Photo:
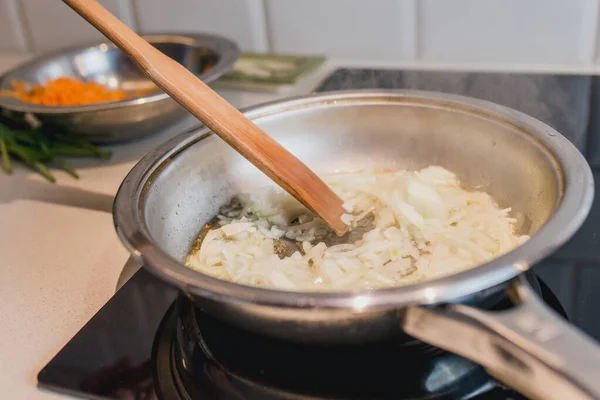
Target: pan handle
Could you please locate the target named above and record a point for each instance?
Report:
(528, 347)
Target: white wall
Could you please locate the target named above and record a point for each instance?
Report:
(526, 34)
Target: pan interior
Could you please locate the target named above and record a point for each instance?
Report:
(487, 152)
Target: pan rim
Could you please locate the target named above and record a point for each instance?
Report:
(576, 200)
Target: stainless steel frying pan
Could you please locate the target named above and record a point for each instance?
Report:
(173, 191)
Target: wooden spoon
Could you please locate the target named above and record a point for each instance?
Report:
(220, 116)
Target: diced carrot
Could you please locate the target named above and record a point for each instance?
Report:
(66, 92)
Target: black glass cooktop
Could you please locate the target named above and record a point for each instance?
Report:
(148, 343)
(141, 344)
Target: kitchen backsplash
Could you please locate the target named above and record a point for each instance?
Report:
(526, 34)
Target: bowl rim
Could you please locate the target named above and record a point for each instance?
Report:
(226, 49)
(576, 188)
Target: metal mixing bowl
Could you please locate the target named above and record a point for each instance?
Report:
(108, 65)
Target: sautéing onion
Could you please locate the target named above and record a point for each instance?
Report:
(424, 225)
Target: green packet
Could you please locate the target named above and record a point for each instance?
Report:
(269, 71)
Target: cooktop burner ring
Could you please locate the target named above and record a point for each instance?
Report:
(167, 382)
(173, 382)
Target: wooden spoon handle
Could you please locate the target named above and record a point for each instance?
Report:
(220, 116)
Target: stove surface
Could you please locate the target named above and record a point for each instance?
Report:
(127, 350)
(110, 357)
(136, 347)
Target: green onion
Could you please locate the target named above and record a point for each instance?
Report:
(44, 171)
(6, 165)
(38, 148)
(70, 170)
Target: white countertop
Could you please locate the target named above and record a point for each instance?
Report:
(60, 257)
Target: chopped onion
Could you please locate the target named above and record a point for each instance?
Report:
(425, 226)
